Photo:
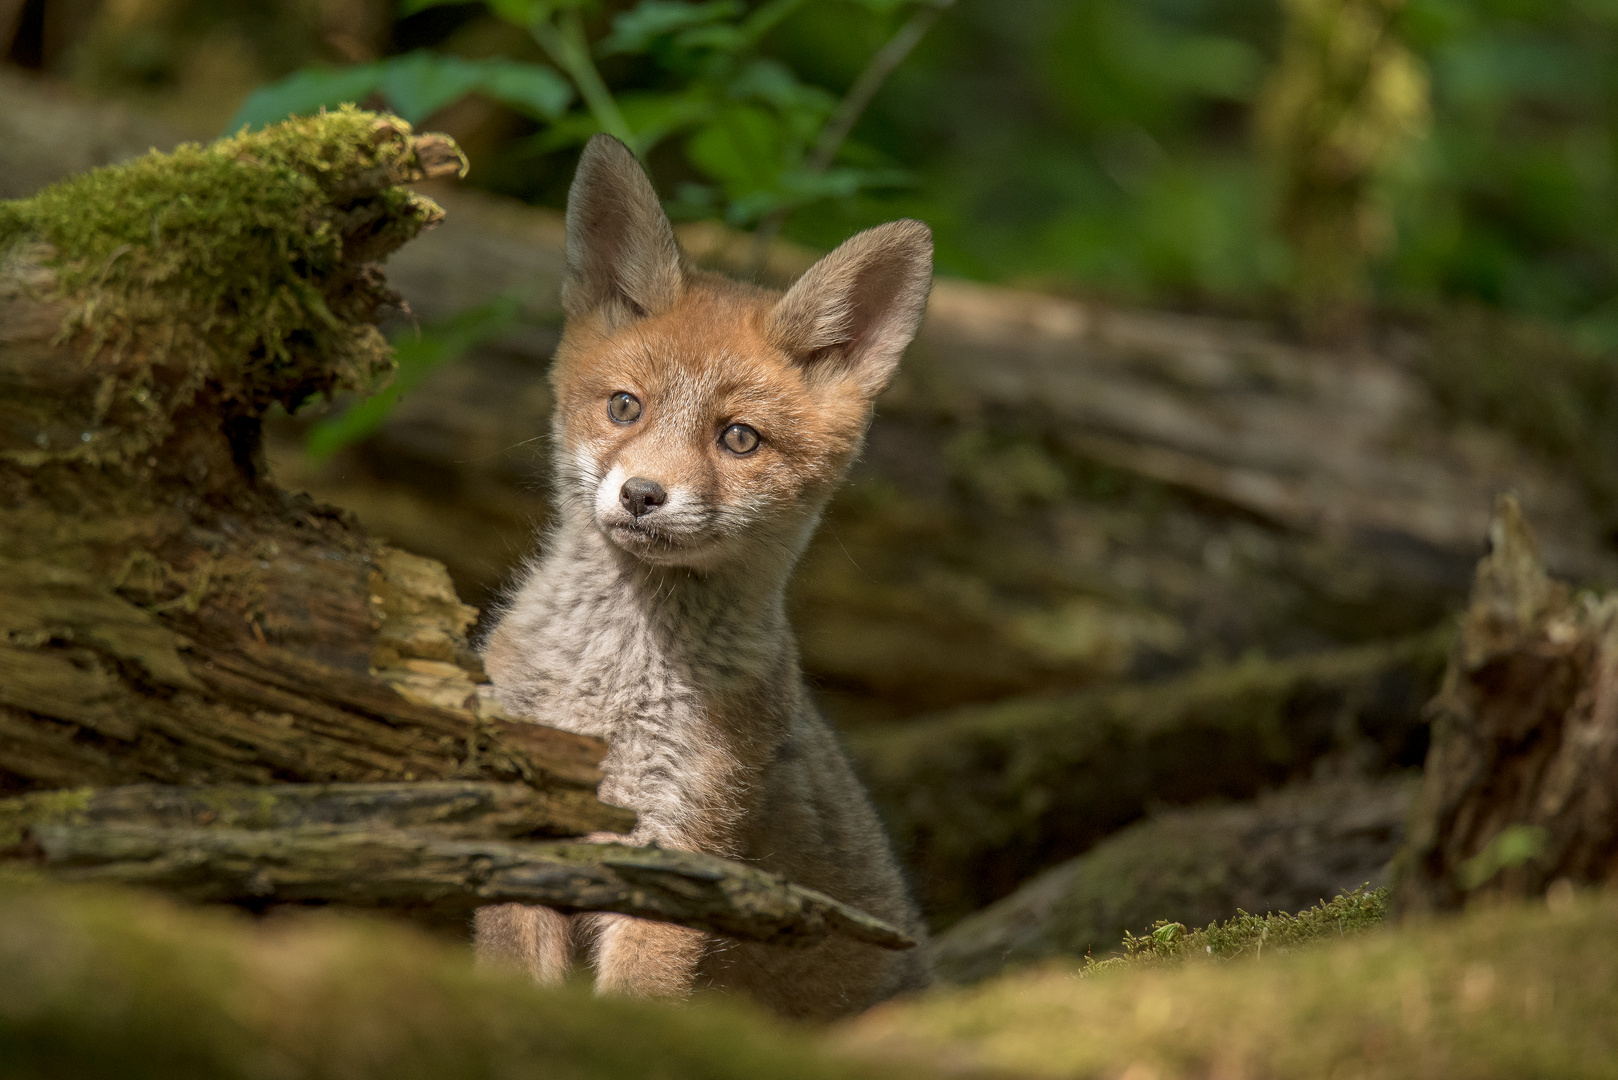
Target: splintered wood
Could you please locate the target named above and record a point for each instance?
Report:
(1520, 791)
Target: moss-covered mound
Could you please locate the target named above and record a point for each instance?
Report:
(108, 984)
(1504, 991)
(1283, 852)
(242, 266)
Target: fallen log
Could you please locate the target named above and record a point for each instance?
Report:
(429, 872)
(1520, 788)
(1285, 851)
(984, 797)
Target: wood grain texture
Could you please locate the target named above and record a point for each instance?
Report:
(1520, 790)
(367, 865)
(167, 615)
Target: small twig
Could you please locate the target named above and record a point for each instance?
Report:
(848, 112)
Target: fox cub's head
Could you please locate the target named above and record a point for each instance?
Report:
(701, 420)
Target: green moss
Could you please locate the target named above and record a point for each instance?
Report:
(1281, 852)
(65, 805)
(1249, 935)
(238, 266)
(1498, 992)
(117, 984)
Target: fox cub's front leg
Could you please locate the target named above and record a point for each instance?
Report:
(533, 939)
(639, 958)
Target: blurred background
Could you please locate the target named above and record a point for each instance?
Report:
(1247, 311)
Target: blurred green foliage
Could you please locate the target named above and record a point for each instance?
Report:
(747, 122)
(1108, 146)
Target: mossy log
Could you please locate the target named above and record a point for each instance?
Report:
(166, 613)
(984, 797)
(1520, 788)
(437, 876)
(1282, 852)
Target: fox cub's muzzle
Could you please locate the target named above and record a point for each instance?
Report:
(641, 496)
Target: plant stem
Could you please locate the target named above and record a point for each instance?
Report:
(848, 112)
(566, 46)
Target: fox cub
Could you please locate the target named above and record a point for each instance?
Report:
(701, 426)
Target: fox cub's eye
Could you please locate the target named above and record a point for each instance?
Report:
(740, 439)
(623, 408)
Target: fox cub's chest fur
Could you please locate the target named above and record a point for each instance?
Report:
(701, 426)
(692, 688)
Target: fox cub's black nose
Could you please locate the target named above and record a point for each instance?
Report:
(641, 496)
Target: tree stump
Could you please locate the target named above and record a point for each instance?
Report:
(1520, 790)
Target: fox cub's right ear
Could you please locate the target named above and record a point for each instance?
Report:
(622, 259)
(857, 309)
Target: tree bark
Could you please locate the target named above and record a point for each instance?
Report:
(445, 879)
(1520, 789)
(166, 613)
(460, 810)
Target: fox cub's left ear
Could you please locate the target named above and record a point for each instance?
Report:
(858, 308)
(622, 259)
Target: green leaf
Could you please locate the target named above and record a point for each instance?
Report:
(530, 88)
(714, 38)
(635, 30)
(1511, 847)
(418, 355)
(420, 83)
(415, 86)
(306, 92)
(802, 108)
(741, 148)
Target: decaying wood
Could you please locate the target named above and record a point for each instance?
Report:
(168, 615)
(1285, 851)
(427, 871)
(1520, 788)
(458, 809)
